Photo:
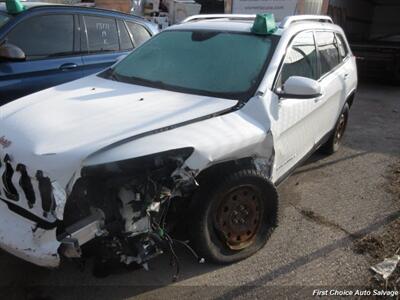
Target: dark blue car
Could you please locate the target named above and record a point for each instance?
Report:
(47, 45)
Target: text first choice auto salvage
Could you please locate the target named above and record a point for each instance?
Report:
(356, 292)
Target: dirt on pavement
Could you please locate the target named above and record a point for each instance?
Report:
(386, 244)
(394, 179)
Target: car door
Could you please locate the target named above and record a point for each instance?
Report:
(104, 40)
(49, 43)
(348, 71)
(294, 125)
(332, 83)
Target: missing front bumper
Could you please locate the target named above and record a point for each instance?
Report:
(80, 233)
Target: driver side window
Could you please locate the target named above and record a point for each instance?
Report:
(44, 36)
(301, 58)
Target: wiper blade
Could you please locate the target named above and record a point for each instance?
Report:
(109, 74)
(138, 80)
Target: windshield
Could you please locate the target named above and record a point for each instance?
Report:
(219, 64)
(3, 19)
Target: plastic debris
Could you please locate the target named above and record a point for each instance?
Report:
(386, 267)
(14, 7)
(264, 24)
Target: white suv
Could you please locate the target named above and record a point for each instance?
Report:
(193, 130)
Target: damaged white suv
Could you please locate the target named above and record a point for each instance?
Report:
(194, 130)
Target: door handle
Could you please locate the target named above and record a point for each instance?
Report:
(346, 76)
(68, 66)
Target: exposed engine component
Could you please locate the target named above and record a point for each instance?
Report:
(125, 215)
(136, 219)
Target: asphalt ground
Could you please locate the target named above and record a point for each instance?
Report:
(326, 207)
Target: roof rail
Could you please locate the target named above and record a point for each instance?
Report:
(40, 5)
(219, 16)
(299, 18)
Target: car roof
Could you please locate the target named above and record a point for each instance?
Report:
(28, 5)
(44, 5)
(237, 25)
(80, 8)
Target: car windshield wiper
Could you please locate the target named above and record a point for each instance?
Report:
(111, 75)
(137, 80)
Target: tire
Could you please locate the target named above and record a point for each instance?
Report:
(335, 140)
(233, 218)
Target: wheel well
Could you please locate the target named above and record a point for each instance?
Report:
(350, 99)
(226, 167)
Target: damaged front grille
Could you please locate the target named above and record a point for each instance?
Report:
(9, 188)
(21, 189)
(26, 184)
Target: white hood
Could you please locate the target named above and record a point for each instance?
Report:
(95, 110)
(78, 118)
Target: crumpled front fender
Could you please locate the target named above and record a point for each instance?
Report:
(230, 136)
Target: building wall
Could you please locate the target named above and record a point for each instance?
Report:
(281, 8)
(58, 1)
(312, 7)
(120, 5)
(354, 16)
(386, 20)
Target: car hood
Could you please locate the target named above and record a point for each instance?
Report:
(80, 117)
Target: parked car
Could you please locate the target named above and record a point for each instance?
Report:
(194, 130)
(47, 45)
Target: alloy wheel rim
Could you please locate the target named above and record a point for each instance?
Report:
(340, 129)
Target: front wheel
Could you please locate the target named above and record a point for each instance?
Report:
(233, 218)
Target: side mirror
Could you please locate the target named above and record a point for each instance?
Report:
(300, 88)
(10, 52)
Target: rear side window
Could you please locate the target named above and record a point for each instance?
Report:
(139, 33)
(301, 58)
(44, 36)
(125, 39)
(102, 34)
(328, 51)
(343, 51)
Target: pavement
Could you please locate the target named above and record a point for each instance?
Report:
(325, 207)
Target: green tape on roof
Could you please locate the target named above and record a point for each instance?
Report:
(264, 24)
(14, 7)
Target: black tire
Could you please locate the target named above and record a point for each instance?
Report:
(335, 140)
(251, 188)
